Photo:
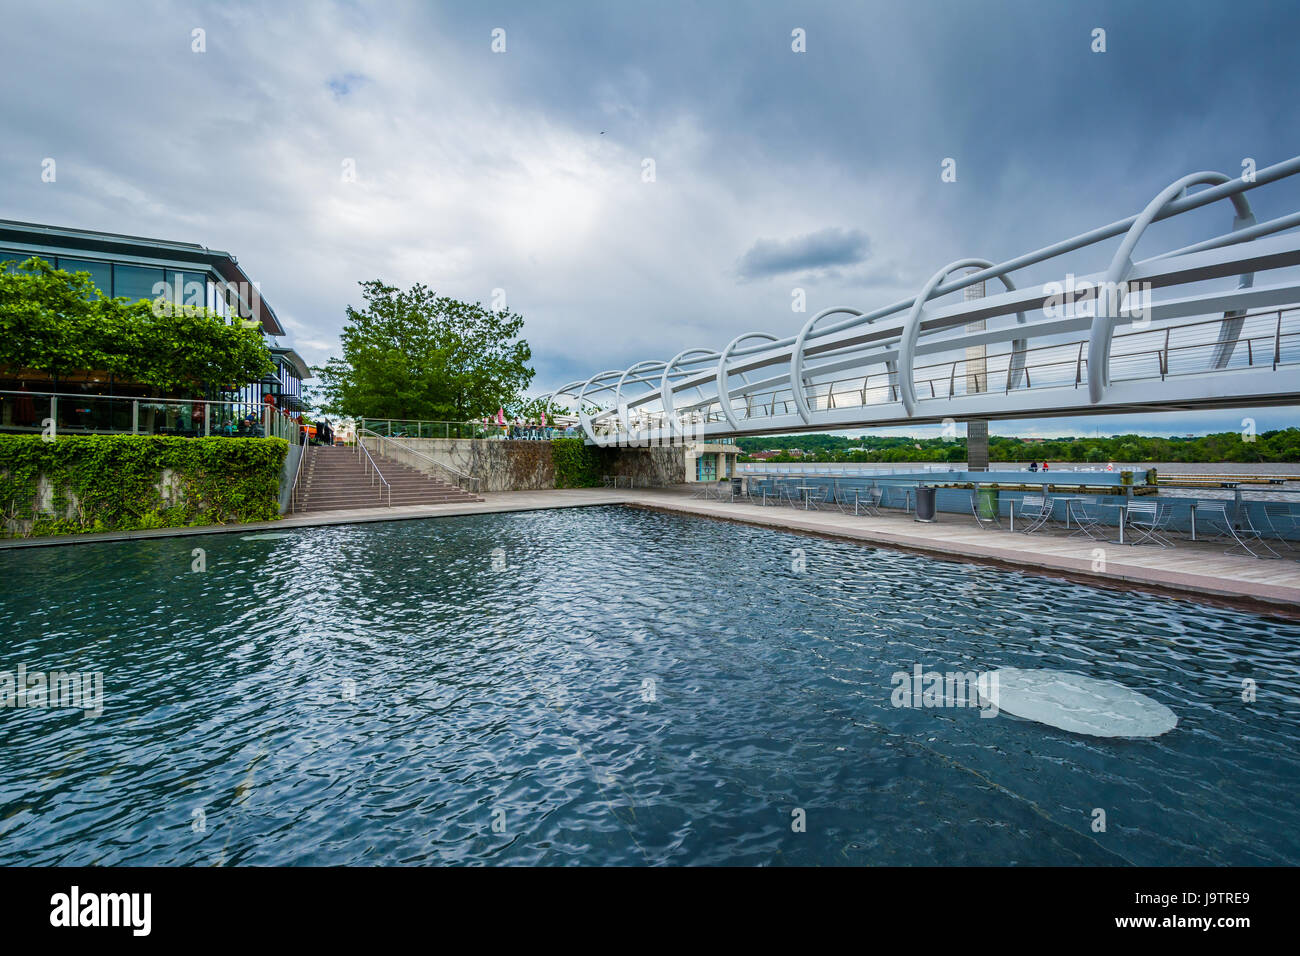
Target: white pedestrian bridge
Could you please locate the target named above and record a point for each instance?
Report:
(1215, 324)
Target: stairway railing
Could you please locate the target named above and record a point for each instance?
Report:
(293, 490)
(460, 479)
(375, 472)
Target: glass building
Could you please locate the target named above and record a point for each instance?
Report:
(138, 268)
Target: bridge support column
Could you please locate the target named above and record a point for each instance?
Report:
(977, 445)
(977, 380)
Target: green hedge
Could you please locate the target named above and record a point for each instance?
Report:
(114, 480)
(577, 464)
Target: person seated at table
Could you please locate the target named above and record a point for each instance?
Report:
(1033, 466)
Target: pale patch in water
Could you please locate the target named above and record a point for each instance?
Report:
(265, 536)
(1081, 705)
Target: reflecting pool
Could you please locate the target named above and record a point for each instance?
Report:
(616, 686)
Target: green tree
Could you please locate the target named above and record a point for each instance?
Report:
(58, 322)
(416, 355)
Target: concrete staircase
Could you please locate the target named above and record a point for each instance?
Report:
(333, 479)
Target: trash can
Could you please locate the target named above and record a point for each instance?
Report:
(924, 503)
(988, 503)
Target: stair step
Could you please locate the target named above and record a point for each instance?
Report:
(334, 479)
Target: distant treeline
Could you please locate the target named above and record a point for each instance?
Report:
(1279, 446)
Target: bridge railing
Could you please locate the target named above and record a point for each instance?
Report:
(923, 357)
(1268, 339)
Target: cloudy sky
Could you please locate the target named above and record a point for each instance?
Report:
(524, 170)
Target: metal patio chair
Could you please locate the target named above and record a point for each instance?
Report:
(1280, 523)
(823, 497)
(904, 491)
(1247, 538)
(844, 498)
(863, 501)
(1147, 521)
(1086, 515)
(1036, 510)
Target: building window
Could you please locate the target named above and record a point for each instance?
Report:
(101, 273)
(10, 260)
(706, 468)
(136, 282)
(187, 288)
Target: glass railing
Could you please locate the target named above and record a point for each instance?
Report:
(412, 428)
(61, 414)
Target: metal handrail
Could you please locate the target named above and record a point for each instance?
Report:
(293, 490)
(362, 448)
(460, 476)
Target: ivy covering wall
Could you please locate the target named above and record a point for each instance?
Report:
(116, 482)
(577, 464)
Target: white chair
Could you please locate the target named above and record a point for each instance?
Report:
(1036, 509)
(1248, 540)
(1280, 523)
(1147, 521)
(1086, 515)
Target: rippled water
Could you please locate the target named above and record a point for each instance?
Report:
(380, 694)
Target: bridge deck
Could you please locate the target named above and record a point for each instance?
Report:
(1200, 570)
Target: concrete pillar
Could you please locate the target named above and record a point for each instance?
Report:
(977, 380)
(977, 444)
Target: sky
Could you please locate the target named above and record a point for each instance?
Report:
(324, 144)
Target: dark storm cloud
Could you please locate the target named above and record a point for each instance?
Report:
(819, 250)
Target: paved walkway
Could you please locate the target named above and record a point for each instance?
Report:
(1198, 569)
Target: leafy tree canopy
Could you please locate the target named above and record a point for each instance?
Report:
(58, 322)
(1282, 445)
(412, 354)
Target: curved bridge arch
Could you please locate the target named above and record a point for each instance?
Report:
(724, 390)
(624, 412)
(1108, 302)
(796, 358)
(912, 329)
(666, 391)
(583, 417)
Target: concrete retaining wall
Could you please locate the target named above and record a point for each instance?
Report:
(528, 466)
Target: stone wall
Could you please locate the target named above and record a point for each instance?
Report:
(527, 465)
(652, 466)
